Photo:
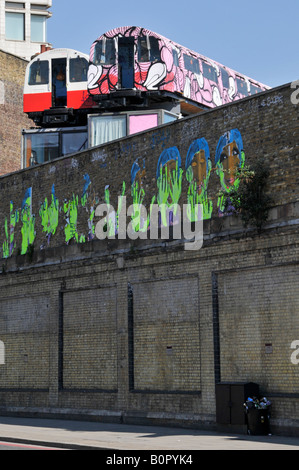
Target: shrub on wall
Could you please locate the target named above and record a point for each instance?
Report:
(250, 198)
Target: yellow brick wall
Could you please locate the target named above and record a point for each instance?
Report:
(12, 118)
(131, 328)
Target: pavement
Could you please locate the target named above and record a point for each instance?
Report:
(123, 437)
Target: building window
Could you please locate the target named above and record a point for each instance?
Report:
(15, 26)
(39, 7)
(15, 5)
(38, 28)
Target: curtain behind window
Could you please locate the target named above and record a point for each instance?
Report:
(106, 128)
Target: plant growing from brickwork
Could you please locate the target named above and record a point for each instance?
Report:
(250, 198)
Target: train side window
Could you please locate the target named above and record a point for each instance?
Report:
(225, 78)
(254, 89)
(148, 49)
(242, 87)
(175, 56)
(209, 72)
(78, 69)
(191, 64)
(39, 73)
(104, 52)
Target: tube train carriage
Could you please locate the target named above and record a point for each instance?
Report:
(131, 65)
(55, 89)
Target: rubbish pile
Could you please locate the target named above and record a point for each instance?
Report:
(260, 404)
(258, 415)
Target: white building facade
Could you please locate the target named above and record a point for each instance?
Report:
(23, 26)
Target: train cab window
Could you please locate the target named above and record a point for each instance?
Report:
(104, 52)
(209, 72)
(78, 69)
(154, 49)
(142, 49)
(148, 49)
(39, 73)
(191, 64)
(242, 87)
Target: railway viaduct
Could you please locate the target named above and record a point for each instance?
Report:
(145, 330)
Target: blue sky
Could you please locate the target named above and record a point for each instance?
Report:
(258, 38)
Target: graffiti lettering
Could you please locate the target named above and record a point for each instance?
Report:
(295, 94)
(295, 354)
(2, 353)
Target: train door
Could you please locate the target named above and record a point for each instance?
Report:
(126, 62)
(59, 90)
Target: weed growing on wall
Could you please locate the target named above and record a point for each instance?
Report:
(250, 198)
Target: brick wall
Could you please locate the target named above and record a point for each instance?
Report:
(142, 330)
(12, 118)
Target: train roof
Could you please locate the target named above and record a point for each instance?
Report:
(59, 52)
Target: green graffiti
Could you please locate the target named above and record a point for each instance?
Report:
(198, 195)
(49, 215)
(169, 189)
(70, 209)
(223, 202)
(84, 199)
(84, 196)
(138, 194)
(119, 205)
(175, 186)
(140, 220)
(91, 226)
(110, 218)
(28, 222)
(8, 244)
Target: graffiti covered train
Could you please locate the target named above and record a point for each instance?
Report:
(149, 65)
